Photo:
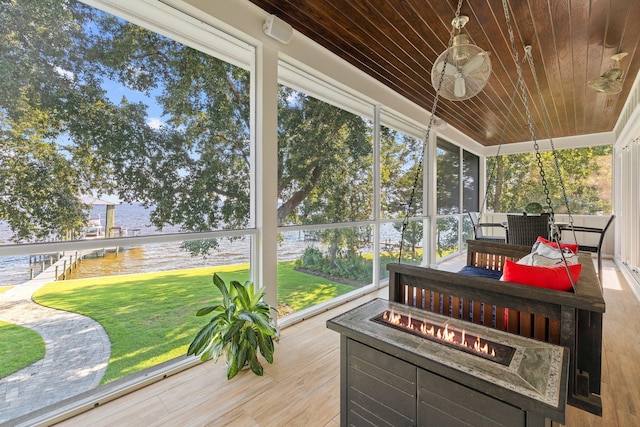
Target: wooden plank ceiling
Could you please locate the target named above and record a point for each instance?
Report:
(397, 41)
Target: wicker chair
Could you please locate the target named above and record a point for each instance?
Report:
(478, 231)
(525, 229)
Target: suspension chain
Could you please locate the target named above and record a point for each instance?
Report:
(525, 99)
(408, 210)
(556, 236)
(547, 124)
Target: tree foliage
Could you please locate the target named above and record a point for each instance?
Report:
(64, 133)
(38, 183)
(324, 166)
(400, 182)
(585, 172)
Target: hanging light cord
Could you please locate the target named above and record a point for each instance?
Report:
(495, 165)
(409, 207)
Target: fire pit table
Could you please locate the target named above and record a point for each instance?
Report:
(405, 366)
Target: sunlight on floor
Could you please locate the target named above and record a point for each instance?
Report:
(611, 280)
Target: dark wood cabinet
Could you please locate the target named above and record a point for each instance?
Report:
(383, 390)
(391, 378)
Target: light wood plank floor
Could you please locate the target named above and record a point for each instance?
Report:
(301, 388)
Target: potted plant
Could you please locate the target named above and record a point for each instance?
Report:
(534, 208)
(240, 327)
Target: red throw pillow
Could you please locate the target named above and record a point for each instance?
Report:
(542, 276)
(573, 247)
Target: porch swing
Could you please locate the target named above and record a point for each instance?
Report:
(571, 317)
(524, 230)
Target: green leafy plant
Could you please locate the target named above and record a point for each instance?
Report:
(240, 327)
(533, 208)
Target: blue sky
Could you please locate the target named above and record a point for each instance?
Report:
(116, 91)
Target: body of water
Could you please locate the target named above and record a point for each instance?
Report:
(134, 219)
(154, 257)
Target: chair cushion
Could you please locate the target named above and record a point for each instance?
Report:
(542, 276)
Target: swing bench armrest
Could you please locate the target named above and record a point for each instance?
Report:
(480, 235)
(479, 226)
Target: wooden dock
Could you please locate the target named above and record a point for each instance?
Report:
(58, 266)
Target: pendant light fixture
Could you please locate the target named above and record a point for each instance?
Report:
(464, 68)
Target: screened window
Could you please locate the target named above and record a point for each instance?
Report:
(448, 177)
(325, 156)
(458, 181)
(401, 171)
(117, 144)
(325, 177)
(586, 176)
(99, 111)
(470, 182)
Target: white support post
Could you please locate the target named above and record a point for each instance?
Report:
(431, 195)
(265, 182)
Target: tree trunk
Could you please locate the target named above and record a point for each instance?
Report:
(299, 196)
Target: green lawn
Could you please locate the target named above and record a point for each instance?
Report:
(150, 318)
(19, 347)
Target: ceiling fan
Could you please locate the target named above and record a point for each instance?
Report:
(464, 68)
(611, 81)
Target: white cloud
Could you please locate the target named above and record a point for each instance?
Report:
(155, 123)
(64, 73)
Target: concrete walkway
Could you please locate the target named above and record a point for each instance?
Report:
(77, 352)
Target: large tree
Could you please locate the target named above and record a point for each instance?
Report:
(325, 158)
(64, 134)
(586, 175)
(324, 169)
(401, 174)
(39, 184)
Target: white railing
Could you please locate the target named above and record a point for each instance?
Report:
(597, 221)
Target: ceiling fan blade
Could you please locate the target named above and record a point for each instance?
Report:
(604, 85)
(459, 87)
(598, 84)
(450, 69)
(473, 63)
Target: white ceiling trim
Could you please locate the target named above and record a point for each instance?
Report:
(577, 141)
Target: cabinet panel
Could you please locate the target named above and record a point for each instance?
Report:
(382, 388)
(443, 402)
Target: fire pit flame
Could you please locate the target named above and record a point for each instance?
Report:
(444, 334)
